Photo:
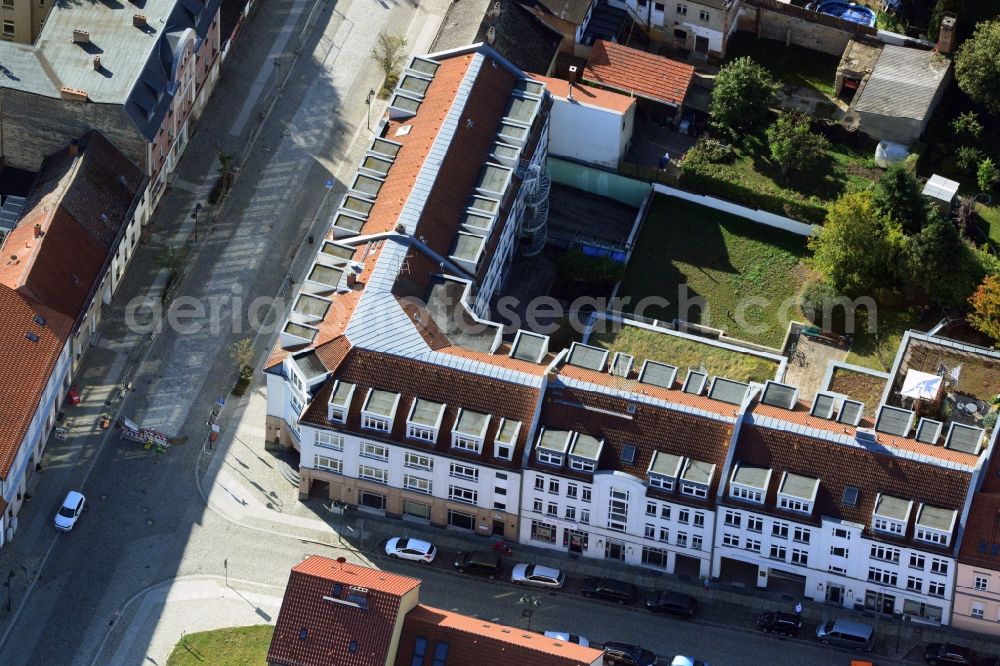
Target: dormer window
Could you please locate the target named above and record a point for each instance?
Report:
(379, 410)
(891, 515)
(424, 420)
(584, 453)
(749, 484)
(797, 493)
(340, 402)
(552, 446)
(696, 478)
(506, 439)
(935, 525)
(469, 431)
(663, 470)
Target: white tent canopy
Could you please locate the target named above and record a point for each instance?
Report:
(921, 385)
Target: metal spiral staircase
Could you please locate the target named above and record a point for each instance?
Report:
(534, 228)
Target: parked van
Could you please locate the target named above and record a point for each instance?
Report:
(847, 633)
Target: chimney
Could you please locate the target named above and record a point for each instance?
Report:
(38, 231)
(946, 36)
(97, 63)
(139, 20)
(572, 79)
(81, 36)
(72, 94)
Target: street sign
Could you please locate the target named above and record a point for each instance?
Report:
(329, 183)
(222, 402)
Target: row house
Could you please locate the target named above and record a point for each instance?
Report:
(75, 233)
(977, 582)
(697, 26)
(625, 464)
(861, 517)
(140, 75)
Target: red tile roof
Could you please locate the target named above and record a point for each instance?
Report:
(474, 642)
(25, 366)
(587, 95)
(414, 379)
(636, 72)
(840, 465)
(982, 530)
(313, 631)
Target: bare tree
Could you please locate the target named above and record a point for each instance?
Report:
(390, 52)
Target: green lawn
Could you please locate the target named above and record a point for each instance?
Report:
(991, 215)
(753, 180)
(878, 350)
(722, 259)
(232, 646)
(790, 65)
(683, 353)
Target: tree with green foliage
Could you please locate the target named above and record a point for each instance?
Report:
(898, 196)
(977, 65)
(794, 146)
(389, 52)
(742, 96)
(858, 249)
(940, 266)
(985, 302)
(987, 175)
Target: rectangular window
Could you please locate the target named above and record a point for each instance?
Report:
(755, 524)
(682, 9)
(982, 583)
(839, 551)
(586, 494)
(417, 484)
(888, 526)
(422, 433)
(882, 576)
(917, 561)
(552, 509)
(661, 482)
(460, 471)
(779, 530)
(651, 509)
(841, 533)
(753, 545)
(703, 15)
(374, 451)
(793, 504)
(650, 531)
(543, 532)
(837, 570)
(746, 494)
(618, 510)
(696, 542)
(465, 443)
(664, 535)
(914, 584)
(729, 539)
(329, 464)
(800, 557)
(460, 494)
(654, 557)
(682, 539)
(935, 589)
(682, 516)
(571, 490)
(659, 6)
(932, 536)
(503, 452)
(699, 519)
(370, 422)
(547, 458)
(499, 491)
(417, 461)
(537, 506)
(733, 519)
(801, 535)
(571, 513)
(939, 566)
(884, 553)
(585, 516)
(553, 486)
(977, 611)
(373, 474)
(328, 440)
(8, 3)
(665, 511)
(778, 552)
(582, 465)
(539, 483)
(694, 490)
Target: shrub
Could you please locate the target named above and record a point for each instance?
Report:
(967, 158)
(793, 145)
(967, 126)
(987, 175)
(575, 265)
(818, 302)
(711, 150)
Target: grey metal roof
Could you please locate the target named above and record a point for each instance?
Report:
(903, 83)
(727, 390)
(554, 440)
(753, 477)
(892, 507)
(382, 403)
(665, 464)
(658, 374)
(426, 412)
(964, 438)
(587, 447)
(310, 365)
(472, 423)
(802, 487)
(936, 518)
(697, 471)
(894, 420)
(585, 356)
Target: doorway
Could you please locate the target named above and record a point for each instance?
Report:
(614, 550)
(701, 44)
(835, 594)
(575, 540)
(373, 500)
(498, 528)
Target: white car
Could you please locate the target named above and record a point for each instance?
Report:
(70, 511)
(567, 637)
(533, 574)
(411, 549)
(681, 660)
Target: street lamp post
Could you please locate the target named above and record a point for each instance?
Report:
(10, 589)
(194, 216)
(528, 604)
(371, 93)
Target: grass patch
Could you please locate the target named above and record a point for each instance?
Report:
(790, 65)
(723, 259)
(877, 348)
(232, 646)
(665, 348)
(753, 180)
(858, 386)
(991, 216)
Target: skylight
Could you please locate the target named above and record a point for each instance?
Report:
(779, 395)
(584, 356)
(658, 374)
(851, 412)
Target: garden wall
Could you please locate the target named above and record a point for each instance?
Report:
(772, 19)
(752, 214)
(598, 181)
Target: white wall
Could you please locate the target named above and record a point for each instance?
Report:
(752, 214)
(589, 134)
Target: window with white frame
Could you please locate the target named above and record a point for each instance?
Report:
(506, 438)
(503, 451)
(981, 583)
(662, 482)
(460, 494)
(373, 474)
(371, 422)
(572, 490)
(549, 458)
(891, 514)
(703, 16)
(536, 506)
(917, 561)
(837, 570)
(692, 489)
(882, 576)
(329, 440)
(340, 402)
(889, 526)
(417, 461)
(424, 420)
(664, 535)
(586, 494)
(665, 511)
(585, 516)
(732, 519)
(552, 509)
(698, 519)
(422, 433)
(778, 552)
(935, 589)
(683, 516)
(543, 531)
(582, 465)
(884, 553)
(932, 536)
(696, 542)
(914, 584)
(328, 463)
(460, 471)
(618, 510)
(939, 566)
(378, 410)
(682, 539)
(553, 486)
(469, 431)
(839, 551)
(800, 534)
(779, 530)
(755, 524)
(682, 9)
(374, 451)
(465, 443)
(800, 557)
(730, 539)
(570, 513)
(417, 484)
(977, 610)
(746, 494)
(794, 504)
(651, 509)
(649, 531)
(539, 483)
(841, 533)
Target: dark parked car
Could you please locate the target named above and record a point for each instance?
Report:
(609, 588)
(949, 653)
(675, 603)
(480, 562)
(788, 624)
(627, 655)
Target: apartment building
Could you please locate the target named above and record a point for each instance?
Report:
(625, 465)
(977, 583)
(699, 26)
(76, 232)
(335, 612)
(139, 74)
(23, 19)
(453, 186)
